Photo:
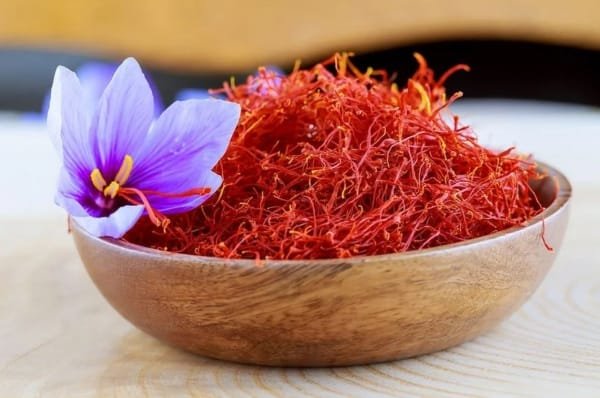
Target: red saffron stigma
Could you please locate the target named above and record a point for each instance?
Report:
(158, 219)
(331, 162)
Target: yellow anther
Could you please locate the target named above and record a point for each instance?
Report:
(443, 147)
(297, 65)
(341, 62)
(125, 170)
(112, 189)
(98, 180)
(425, 103)
(420, 59)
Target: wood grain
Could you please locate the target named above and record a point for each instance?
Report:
(59, 337)
(329, 312)
(230, 35)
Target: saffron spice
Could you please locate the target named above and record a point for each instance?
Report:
(332, 162)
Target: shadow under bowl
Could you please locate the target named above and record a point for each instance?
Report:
(330, 312)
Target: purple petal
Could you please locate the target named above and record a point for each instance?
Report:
(176, 205)
(274, 80)
(94, 77)
(113, 226)
(159, 106)
(34, 117)
(68, 123)
(183, 146)
(122, 118)
(275, 69)
(192, 93)
(71, 193)
(188, 138)
(77, 196)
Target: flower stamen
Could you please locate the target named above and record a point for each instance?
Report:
(155, 216)
(98, 180)
(136, 196)
(124, 171)
(425, 102)
(112, 189)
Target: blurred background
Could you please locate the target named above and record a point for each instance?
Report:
(541, 49)
(535, 79)
(534, 83)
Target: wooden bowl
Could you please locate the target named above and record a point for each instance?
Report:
(330, 312)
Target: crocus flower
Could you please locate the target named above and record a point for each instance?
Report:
(119, 162)
(94, 77)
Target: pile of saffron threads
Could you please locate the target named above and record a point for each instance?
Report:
(332, 162)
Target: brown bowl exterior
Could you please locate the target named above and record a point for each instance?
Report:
(327, 312)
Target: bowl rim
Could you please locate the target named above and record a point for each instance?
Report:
(562, 198)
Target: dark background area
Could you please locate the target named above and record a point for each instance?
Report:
(500, 69)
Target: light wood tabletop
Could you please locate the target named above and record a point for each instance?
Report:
(60, 338)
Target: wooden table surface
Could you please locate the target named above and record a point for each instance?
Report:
(59, 338)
